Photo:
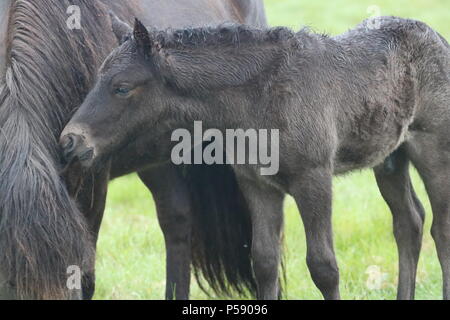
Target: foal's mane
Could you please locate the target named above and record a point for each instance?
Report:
(48, 72)
(198, 60)
(224, 35)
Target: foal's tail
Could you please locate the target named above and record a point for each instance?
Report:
(222, 231)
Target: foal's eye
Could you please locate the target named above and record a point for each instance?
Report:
(122, 91)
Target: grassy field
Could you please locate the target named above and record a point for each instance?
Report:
(131, 260)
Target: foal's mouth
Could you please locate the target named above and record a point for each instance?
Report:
(87, 156)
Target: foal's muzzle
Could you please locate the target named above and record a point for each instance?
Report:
(74, 149)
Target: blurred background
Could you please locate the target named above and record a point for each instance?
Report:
(131, 257)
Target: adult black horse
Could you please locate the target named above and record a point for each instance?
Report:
(46, 71)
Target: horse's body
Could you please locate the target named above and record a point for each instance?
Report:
(340, 104)
(46, 70)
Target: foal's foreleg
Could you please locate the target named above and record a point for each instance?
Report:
(266, 207)
(312, 192)
(91, 199)
(174, 214)
(408, 215)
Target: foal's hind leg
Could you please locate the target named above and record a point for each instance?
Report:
(266, 207)
(395, 186)
(174, 215)
(430, 154)
(312, 192)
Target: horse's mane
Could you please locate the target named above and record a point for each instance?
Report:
(224, 35)
(48, 72)
(50, 66)
(198, 60)
(227, 34)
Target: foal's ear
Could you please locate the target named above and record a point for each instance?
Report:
(142, 38)
(121, 30)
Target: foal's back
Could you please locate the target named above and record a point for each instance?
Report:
(396, 74)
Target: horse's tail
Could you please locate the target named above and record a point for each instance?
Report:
(42, 232)
(222, 231)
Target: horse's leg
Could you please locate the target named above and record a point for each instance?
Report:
(266, 207)
(313, 193)
(92, 198)
(430, 154)
(408, 214)
(174, 214)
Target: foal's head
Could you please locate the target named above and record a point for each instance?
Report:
(124, 99)
(158, 75)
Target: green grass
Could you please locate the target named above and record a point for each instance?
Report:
(131, 259)
(337, 16)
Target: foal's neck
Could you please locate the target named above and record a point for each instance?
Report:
(217, 59)
(219, 83)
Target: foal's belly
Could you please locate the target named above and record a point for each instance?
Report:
(369, 147)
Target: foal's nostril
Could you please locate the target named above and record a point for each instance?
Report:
(69, 142)
(74, 148)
